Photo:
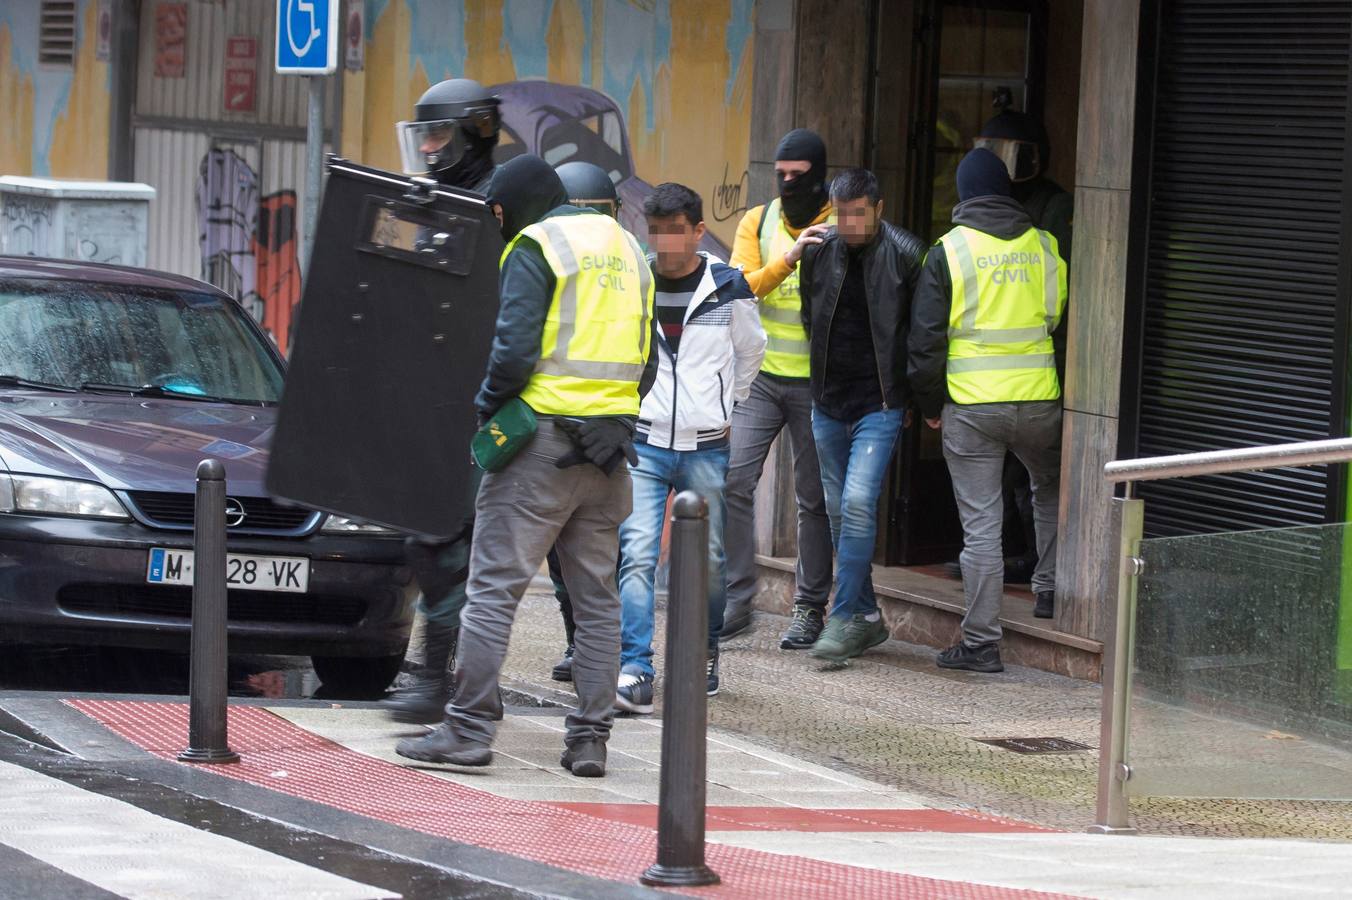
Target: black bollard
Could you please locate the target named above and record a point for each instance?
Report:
(207, 681)
(680, 814)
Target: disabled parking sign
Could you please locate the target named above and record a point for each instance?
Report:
(307, 37)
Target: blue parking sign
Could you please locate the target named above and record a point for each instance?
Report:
(307, 36)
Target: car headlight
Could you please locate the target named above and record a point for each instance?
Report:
(344, 525)
(58, 497)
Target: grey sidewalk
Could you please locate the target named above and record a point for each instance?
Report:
(893, 718)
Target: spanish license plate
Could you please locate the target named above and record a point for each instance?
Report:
(246, 573)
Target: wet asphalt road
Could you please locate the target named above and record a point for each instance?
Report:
(75, 669)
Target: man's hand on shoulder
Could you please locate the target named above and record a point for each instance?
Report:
(813, 234)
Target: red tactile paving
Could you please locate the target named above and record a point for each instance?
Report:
(288, 759)
(788, 818)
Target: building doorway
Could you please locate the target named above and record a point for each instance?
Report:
(971, 59)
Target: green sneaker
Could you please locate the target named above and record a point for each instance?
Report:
(844, 639)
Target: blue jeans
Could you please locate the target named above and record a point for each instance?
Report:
(658, 473)
(854, 457)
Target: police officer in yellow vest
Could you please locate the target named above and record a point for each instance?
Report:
(770, 242)
(983, 369)
(573, 342)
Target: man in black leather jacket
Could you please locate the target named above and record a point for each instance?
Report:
(856, 288)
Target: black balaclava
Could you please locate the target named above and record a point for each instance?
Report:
(527, 188)
(982, 174)
(804, 197)
(474, 166)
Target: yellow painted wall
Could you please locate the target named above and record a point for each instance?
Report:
(16, 104)
(700, 133)
(52, 121)
(80, 137)
(393, 82)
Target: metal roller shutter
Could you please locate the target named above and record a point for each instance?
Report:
(1244, 237)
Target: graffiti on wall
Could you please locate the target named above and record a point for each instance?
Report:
(249, 242)
(27, 225)
(99, 231)
(650, 90)
(564, 123)
(729, 196)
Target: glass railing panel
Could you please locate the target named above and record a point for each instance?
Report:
(1242, 676)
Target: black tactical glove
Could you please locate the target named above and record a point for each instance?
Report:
(601, 441)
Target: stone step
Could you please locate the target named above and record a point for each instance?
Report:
(924, 607)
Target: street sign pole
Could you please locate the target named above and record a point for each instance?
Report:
(307, 44)
(314, 168)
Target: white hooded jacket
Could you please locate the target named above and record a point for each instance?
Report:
(690, 404)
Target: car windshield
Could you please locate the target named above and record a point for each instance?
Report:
(73, 333)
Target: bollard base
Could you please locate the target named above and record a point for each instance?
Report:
(198, 755)
(659, 875)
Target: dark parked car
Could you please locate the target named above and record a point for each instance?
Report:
(114, 384)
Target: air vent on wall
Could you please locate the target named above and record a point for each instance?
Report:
(56, 33)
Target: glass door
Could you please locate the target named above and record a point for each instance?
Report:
(984, 64)
(983, 55)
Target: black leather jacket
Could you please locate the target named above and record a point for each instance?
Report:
(891, 267)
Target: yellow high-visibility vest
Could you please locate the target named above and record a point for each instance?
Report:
(781, 310)
(597, 334)
(1008, 297)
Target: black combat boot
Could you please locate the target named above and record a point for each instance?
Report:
(586, 759)
(422, 702)
(441, 745)
(563, 669)
(985, 658)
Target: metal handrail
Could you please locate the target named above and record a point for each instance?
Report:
(1242, 459)
(1129, 516)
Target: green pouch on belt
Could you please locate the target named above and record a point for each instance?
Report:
(504, 436)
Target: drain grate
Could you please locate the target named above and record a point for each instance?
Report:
(1035, 745)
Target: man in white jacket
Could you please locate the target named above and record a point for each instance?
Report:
(710, 345)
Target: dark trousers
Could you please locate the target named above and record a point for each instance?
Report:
(561, 593)
(1020, 534)
(441, 569)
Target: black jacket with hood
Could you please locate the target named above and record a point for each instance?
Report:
(892, 262)
(526, 284)
(1000, 217)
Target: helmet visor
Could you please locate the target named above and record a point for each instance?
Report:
(602, 205)
(426, 147)
(1021, 158)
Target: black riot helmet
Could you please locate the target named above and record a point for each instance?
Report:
(588, 185)
(453, 132)
(1021, 142)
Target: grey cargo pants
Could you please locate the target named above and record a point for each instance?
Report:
(976, 439)
(520, 513)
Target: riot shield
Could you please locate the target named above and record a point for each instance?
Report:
(391, 343)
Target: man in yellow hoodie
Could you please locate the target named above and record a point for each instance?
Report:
(770, 241)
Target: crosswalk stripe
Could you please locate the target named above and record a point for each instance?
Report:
(23, 876)
(135, 854)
